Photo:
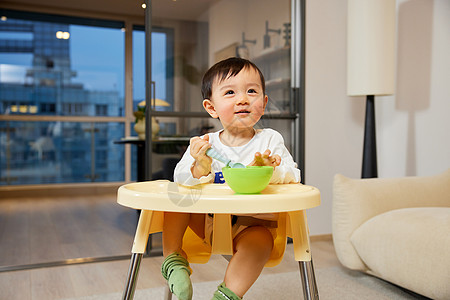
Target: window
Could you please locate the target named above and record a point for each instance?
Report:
(101, 110)
(75, 72)
(56, 66)
(48, 108)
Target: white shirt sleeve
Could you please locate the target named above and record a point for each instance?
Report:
(287, 171)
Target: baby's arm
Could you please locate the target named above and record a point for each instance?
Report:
(202, 164)
(192, 171)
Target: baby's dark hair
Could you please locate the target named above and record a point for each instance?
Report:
(225, 69)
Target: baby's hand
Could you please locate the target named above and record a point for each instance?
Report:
(198, 147)
(265, 159)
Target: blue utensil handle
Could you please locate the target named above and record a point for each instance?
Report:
(211, 152)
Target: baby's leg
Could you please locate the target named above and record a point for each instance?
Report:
(175, 225)
(175, 268)
(253, 247)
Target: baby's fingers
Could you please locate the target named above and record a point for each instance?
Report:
(277, 160)
(258, 157)
(203, 148)
(266, 154)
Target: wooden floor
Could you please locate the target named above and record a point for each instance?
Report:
(54, 229)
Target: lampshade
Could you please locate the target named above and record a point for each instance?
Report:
(371, 47)
(155, 102)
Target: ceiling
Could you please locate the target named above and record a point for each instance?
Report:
(167, 9)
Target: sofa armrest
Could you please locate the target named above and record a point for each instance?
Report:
(357, 200)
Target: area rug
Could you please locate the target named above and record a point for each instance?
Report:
(333, 283)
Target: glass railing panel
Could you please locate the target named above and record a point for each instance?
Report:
(60, 152)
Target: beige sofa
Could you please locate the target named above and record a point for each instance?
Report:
(397, 229)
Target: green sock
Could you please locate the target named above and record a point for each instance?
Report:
(175, 269)
(224, 293)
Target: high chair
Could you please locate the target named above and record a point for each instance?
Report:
(156, 197)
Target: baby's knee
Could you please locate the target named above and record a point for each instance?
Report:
(264, 236)
(257, 237)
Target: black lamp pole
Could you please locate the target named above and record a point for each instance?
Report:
(369, 163)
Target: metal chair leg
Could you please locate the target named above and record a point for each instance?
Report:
(139, 245)
(133, 272)
(310, 291)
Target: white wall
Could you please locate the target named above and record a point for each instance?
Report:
(229, 18)
(413, 126)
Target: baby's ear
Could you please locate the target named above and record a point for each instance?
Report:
(209, 107)
(266, 99)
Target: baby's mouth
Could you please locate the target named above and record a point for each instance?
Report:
(242, 112)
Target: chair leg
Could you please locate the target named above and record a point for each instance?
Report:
(167, 293)
(310, 291)
(139, 246)
(133, 272)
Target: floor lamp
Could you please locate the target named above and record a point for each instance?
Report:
(370, 64)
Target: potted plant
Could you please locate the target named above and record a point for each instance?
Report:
(139, 122)
(139, 115)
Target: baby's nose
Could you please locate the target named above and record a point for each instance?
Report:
(243, 99)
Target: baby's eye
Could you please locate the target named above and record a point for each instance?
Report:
(230, 92)
(252, 91)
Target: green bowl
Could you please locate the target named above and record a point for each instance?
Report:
(251, 180)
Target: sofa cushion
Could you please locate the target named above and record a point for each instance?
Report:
(408, 247)
(357, 200)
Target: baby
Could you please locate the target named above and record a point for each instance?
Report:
(234, 92)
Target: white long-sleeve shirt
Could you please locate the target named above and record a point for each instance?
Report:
(286, 172)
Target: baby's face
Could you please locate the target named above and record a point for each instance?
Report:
(238, 101)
